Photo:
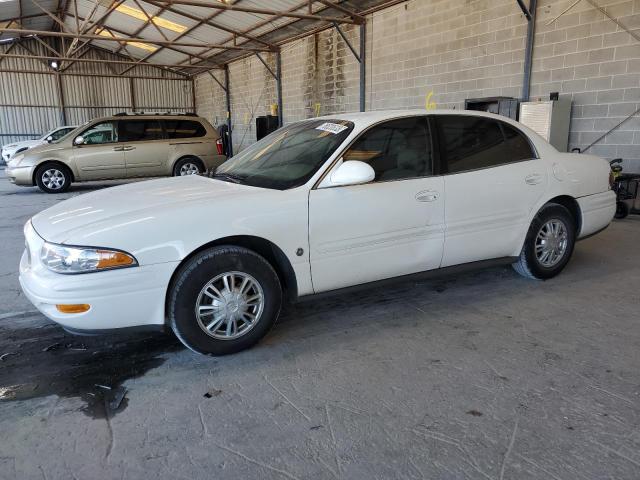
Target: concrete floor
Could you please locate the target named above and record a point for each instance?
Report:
(483, 375)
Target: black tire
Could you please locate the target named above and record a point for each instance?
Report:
(188, 164)
(189, 284)
(622, 210)
(53, 178)
(528, 264)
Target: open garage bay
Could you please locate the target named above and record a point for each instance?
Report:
(483, 375)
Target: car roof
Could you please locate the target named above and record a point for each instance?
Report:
(146, 116)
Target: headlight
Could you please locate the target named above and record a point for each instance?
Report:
(63, 259)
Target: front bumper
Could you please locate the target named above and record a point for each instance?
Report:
(20, 175)
(130, 297)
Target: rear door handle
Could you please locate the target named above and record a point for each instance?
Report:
(128, 148)
(533, 179)
(427, 196)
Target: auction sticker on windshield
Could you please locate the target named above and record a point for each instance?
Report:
(334, 128)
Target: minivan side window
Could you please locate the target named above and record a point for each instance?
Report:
(103, 132)
(184, 129)
(397, 150)
(140, 130)
(470, 143)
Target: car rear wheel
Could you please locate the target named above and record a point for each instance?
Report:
(549, 243)
(53, 178)
(187, 166)
(224, 300)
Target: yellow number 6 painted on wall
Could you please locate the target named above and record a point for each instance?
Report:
(429, 104)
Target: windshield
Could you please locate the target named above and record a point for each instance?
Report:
(288, 157)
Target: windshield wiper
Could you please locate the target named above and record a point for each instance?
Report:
(228, 177)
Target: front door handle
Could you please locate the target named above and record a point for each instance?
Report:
(118, 149)
(427, 196)
(533, 179)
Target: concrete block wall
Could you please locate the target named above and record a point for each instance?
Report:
(586, 55)
(440, 52)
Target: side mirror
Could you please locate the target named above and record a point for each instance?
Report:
(352, 172)
(79, 140)
(49, 139)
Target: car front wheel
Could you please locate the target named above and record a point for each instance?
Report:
(53, 178)
(224, 300)
(549, 243)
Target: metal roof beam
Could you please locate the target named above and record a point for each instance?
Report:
(358, 18)
(92, 60)
(210, 23)
(130, 39)
(260, 11)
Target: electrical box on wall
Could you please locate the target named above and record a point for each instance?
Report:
(506, 106)
(550, 119)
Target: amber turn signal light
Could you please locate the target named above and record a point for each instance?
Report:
(110, 259)
(77, 308)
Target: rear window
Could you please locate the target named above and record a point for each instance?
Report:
(184, 129)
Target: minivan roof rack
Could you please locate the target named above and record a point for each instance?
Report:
(137, 114)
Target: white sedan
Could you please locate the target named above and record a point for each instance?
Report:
(10, 150)
(318, 205)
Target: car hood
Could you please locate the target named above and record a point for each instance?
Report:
(45, 147)
(15, 146)
(126, 210)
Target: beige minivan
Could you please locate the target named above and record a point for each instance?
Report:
(122, 146)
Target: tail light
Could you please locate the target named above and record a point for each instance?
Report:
(220, 146)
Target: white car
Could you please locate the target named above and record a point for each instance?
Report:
(318, 205)
(9, 150)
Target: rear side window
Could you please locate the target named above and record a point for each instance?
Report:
(184, 129)
(518, 144)
(140, 130)
(470, 143)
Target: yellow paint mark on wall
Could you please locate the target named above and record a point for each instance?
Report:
(318, 106)
(429, 104)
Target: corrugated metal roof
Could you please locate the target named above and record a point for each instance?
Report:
(164, 22)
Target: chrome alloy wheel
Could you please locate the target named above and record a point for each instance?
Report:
(189, 169)
(53, 179)
(551, 243)
(229, 305)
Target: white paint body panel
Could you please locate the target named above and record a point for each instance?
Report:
(349, 235)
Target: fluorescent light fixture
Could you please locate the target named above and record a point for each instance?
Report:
(144, 46)
(160, 22)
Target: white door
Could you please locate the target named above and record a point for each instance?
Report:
(493, 182)
(391, 227)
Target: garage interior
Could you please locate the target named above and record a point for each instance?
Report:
(483, 375)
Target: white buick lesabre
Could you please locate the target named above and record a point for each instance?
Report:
(318, 205)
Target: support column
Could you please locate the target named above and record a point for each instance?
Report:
(132, 95)
(227, 92)
(363, 66)
(279, 87)
(61, 102)
(528, 54)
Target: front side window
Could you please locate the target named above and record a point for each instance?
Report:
(58, 134)
(288, 157)
(470, 143)
(398, 149)
(103, 132)
(140, 130)
(184, 129)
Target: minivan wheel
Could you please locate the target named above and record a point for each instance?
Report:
(53, 178)
(549, 243)
(187, 166)
(224, 300)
